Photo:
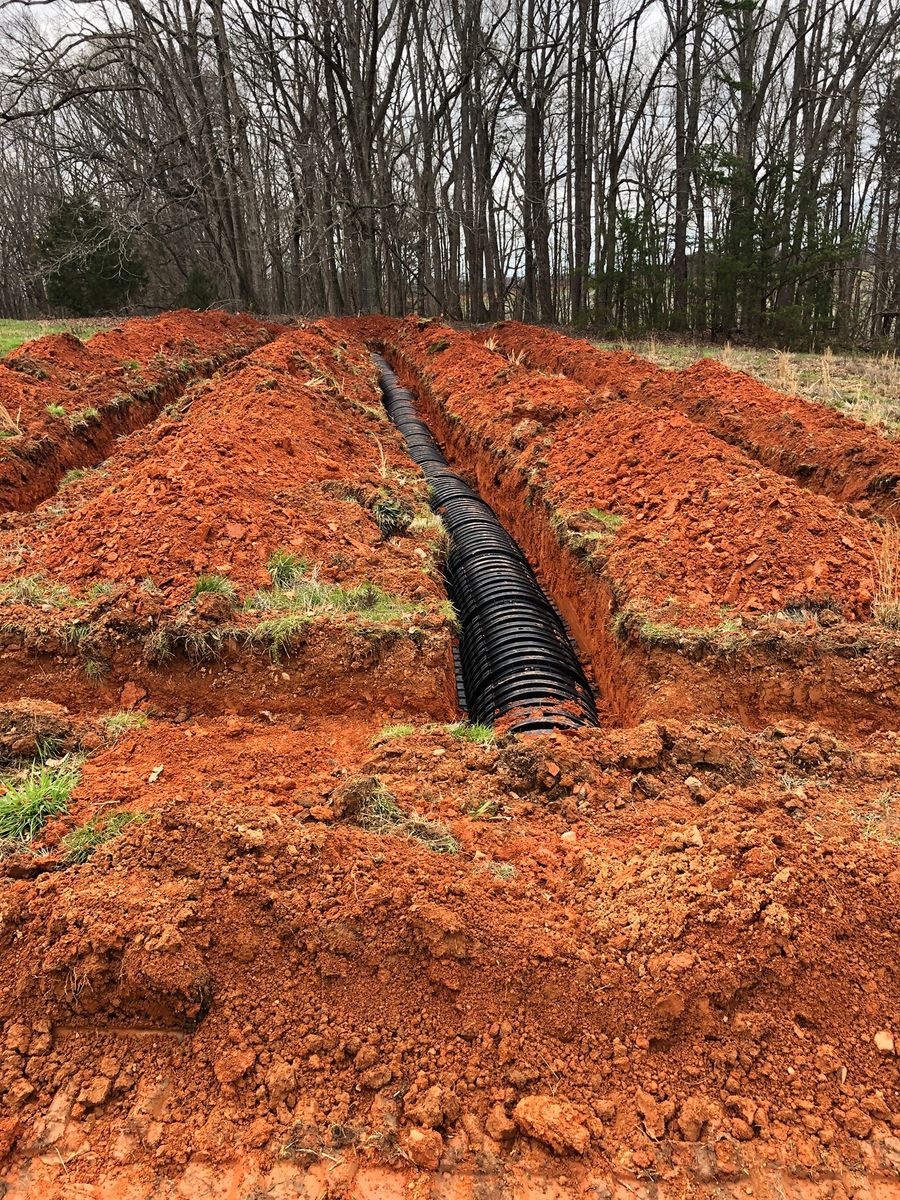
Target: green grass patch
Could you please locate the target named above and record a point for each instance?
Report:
(14, 333)
(72, 476)
(35, 590)
(56, 410)
(285, 568)
(30, 801)
(465, 731)
(120, 723)
(84, 417)
(288, 610)
(389, 732)
(217, 585)
(81, 843)
(610, 521)
(393, 516)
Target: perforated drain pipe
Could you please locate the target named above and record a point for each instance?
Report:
(515, 652)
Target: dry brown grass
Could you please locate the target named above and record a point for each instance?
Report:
(886, 605)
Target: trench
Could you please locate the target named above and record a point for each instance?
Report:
(516, 657)
(33, 471)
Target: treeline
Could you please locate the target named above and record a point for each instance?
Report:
(720, 167)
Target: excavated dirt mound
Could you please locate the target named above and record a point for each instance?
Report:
(694, 579)
(665, 953)
(819, 447)
(65, 401)
(286, 451)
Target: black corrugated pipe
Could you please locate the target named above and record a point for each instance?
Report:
(515, 652)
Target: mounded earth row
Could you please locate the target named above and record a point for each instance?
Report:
(695, 579)
(153, 575)
(818, 446)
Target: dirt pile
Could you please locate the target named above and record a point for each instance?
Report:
(64, 402)
(273, 927)
(647, 950)
(286, 452)
(821, 448)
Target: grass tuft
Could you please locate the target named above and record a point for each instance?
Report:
(465, 731)
(81, 843)
(29, 803)
(34, 590)
(285, 568)
(392, 516)
(218, 585)
(380, 813)
(388, 732)
(120, 723)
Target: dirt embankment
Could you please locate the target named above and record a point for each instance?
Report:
(655, 954)
(821, 448)
(285, 452)
(65, 402)
(693, 577)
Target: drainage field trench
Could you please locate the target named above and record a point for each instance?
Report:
(516, 655)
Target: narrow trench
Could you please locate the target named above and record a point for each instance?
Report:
(516, 656)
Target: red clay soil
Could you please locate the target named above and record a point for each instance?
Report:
(824, 450)
(659, 957)
(287, 449)
(703, 526)
(115, 382)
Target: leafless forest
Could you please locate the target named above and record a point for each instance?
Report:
(725, 167)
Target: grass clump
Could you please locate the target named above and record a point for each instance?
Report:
(120, 723)
(29, 802)
(84, 417)
(81, 843)
(216, 585)
(392, 515)
(56, 410)
(466, 731)
(388, 732)
(34, 590)
(378, 812)
(881, 822)
(285, 568)
(72, 476)
(288, 610)
(610, 521)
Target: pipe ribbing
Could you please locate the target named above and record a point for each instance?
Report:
(515, 653)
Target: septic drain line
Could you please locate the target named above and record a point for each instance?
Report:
(515, 653)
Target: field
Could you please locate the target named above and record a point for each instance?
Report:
(14, 333)
(864, 386)
(276, 920)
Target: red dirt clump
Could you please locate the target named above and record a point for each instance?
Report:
(821, 448)
(116, 381)
(610, 372)
(701, 532)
